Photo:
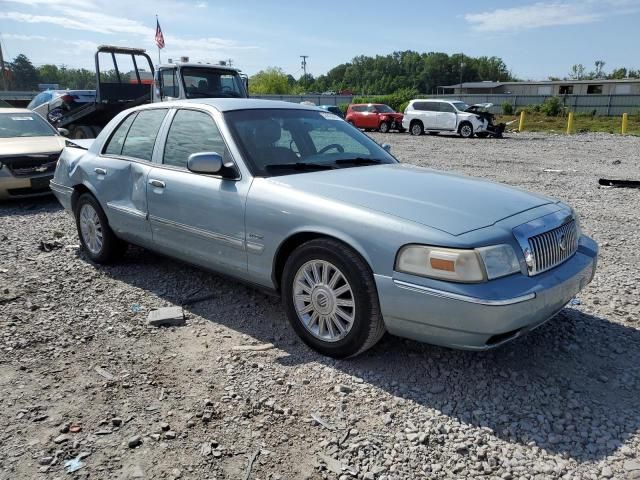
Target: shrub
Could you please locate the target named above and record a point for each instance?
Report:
(507, 108)
(403, 106)
(552, 107)
(528, 109)
(343, 107)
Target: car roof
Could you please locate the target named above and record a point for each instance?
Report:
(434, 100)
(231, 104)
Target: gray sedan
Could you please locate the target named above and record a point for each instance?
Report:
(293, 199)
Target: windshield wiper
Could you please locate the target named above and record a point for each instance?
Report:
(299, 166)
(358, 161)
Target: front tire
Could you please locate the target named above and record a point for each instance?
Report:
(466, 130)
(384, 127)
(331, 299)
(97, 239)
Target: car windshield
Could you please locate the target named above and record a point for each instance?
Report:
(209, 82)
(384, 109)
(460, 106)
(282, 141)
(24, 125)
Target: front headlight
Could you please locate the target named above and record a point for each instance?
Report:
(499, 261)
(442, 263)
(466, 266)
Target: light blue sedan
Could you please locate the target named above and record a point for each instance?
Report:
(293, 199)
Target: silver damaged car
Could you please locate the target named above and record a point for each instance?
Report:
(293, 199)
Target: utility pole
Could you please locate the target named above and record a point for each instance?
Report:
(229, 62)
(304, 67)
(2, 71)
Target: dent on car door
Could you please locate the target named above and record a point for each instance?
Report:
(120, 173)
(196, 217)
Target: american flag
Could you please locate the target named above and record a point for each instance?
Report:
(159, 36)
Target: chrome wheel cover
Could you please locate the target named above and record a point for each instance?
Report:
(324, 300)
(91, 228)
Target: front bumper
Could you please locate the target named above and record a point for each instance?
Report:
(481, 320)
(24, 187)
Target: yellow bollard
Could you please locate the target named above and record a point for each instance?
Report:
(521, 125)
(625, 123)
(570, 124)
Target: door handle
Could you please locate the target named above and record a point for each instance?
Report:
(157, 183)
(100, 171)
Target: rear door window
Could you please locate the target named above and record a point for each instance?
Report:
(142, 135)
(114, 146)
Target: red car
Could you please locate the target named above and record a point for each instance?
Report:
(374, 116)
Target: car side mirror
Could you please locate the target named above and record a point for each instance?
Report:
(386, 147)
(205, 162)
(63, 131)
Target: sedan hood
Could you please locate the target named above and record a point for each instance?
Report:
(451, 203)
(31, 145)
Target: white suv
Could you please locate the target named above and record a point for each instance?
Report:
(434, 116)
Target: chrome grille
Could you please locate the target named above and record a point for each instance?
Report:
(553, 247)
(28, 165)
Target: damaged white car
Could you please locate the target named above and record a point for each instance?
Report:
(435, 116)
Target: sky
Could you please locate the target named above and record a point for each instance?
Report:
(535, 39)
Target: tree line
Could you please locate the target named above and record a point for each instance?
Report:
(384, 74)
(364, 75)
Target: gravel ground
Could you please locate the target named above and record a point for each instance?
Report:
(83, 377)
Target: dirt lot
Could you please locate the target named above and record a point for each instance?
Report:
(82, 376)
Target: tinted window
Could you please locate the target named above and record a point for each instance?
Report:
(24, 125)
(359, 108)
(169, 83)
(114, 147)
(192, 132)
(142, 134)
(446, 107)
(426, 106)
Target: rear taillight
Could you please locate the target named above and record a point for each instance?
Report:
(67, 98)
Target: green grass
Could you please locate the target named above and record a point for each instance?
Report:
(535, 122)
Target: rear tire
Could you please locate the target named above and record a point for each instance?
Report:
(416, 128)
(331, 299)
(98, 240)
